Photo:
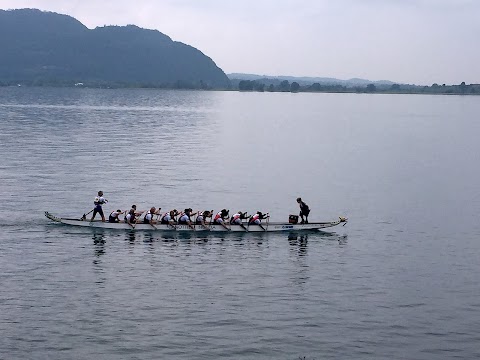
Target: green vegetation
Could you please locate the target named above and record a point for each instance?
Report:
(278, 85)
(49, 49)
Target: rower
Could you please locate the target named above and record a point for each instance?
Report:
(169, 218)
(237, 219)
(257, 219)
(184, 219)
(221, 217)
(114, 216)
(148, 218)
(98, 202)
(130, 218)
(200, 220)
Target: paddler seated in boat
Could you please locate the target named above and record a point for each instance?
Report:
(98, 202)
(131, 218)
(257, 219)
(221, 217)
(237, 219)
(169, 218)
(114, 216)
(184, 219)
(202, 217)
(148, 218)
(137, 213)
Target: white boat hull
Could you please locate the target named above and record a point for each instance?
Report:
(269, 227)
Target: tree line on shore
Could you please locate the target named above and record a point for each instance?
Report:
(286, 86)
(262, 86)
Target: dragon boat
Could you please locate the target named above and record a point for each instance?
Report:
(266, 227)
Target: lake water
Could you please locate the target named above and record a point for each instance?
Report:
(400, 281)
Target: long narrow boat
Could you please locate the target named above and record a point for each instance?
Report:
(269, 227)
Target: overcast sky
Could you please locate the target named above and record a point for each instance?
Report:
(408, 41)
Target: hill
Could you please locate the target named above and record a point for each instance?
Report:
(46, 48)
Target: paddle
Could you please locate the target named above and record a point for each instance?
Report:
(138, 218)
(195, 221)
(204, 225)
(189, 223)
(245, 215)
(151, 222)
(84, 217)
(175, 220)
(211, 218)
(242, 216)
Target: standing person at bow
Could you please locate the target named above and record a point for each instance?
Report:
(98, 202)
(304, 210)
(237, 219)
(257, 219)
(185, 219)
(201, 219)
(148, 218)
(221, 217)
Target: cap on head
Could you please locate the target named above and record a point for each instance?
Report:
(299, 199)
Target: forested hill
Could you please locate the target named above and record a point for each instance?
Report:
(45, 48)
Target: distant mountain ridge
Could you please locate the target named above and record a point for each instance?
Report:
(306, 80)
(39, 48)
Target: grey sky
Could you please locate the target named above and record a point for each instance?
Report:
(412, 41)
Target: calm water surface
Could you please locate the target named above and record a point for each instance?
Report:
(401, 280)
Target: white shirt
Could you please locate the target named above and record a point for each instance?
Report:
(100, 200)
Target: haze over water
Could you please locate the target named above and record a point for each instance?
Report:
(399, 281)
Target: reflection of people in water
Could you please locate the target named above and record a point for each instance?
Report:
(98, 237)
(131, 236)
(299, 241)
(99, 242)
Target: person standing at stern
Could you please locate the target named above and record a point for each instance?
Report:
(304, 210)
(98, 202)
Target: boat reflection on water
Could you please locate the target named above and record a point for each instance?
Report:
(299, 239)
(98, 238)
(131, 237)
(342, 239)
(300, 242)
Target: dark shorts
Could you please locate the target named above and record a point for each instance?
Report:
(304, 212)
(112, 219)
(98, 210)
